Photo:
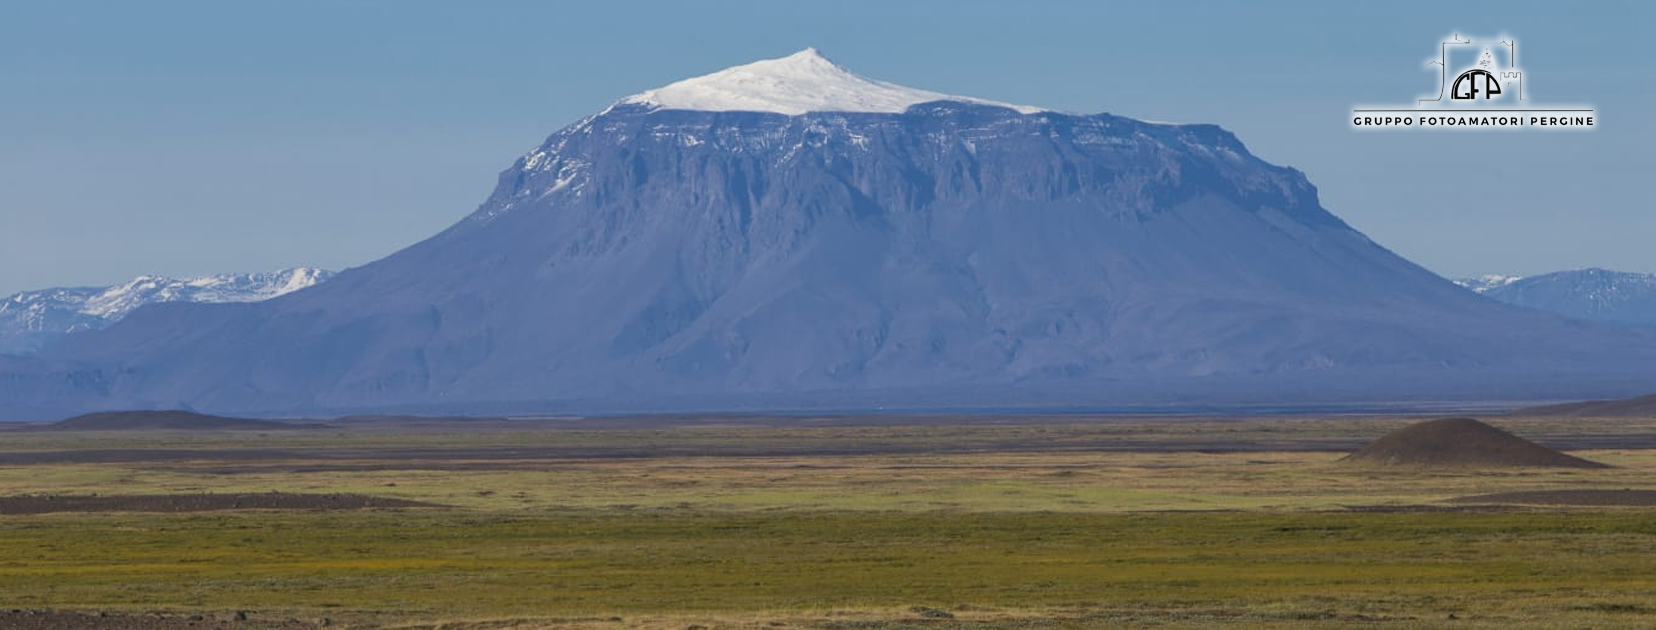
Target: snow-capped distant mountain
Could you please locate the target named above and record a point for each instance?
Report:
(786, 234)
(31, 319)
(1487, 281)
(1596, 294)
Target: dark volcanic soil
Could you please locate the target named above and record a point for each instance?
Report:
(166, 421)
(1567, 497)
(1641, 407)
(45, 503)
(1462, 442)
(25, 619)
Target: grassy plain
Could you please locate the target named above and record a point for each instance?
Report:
(1085, 525)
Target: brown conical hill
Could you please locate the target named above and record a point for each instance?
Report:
(1461, 442)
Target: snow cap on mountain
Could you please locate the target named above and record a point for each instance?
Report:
(802, 82)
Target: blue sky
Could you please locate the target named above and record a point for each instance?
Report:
(195, 137)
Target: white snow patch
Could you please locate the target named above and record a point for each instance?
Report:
(802, 82)
(1487, 281)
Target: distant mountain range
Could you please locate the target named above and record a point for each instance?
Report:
(1618, 297)
(31, 319)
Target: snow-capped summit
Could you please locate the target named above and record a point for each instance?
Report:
(796, 84)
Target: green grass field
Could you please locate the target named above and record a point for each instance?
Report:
(660, 567)
(995, 536)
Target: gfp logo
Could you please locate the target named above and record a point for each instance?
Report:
(1478, 80)
(1479, 86)
(1474, 82)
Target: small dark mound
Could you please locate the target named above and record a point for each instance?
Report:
(1641, 407)
(48, 503)
(166, 420)
(1461, 442)
(1643, 498)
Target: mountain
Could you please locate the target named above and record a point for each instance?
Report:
(32, 319)
(788, 235)
(1618, 297)
(1461, 442)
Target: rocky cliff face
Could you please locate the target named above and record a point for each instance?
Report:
(950, 253)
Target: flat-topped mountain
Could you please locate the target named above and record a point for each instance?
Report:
(788, 235)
